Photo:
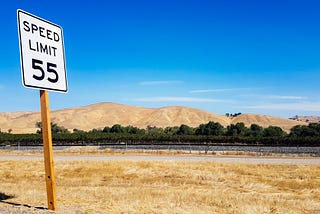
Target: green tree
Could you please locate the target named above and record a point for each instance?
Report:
(237, 129)
(106, 129)
(153, 130)
(133, 130)
(300, 131)
(171, 130)
(311, 130)
(78, 131)
(58, 129)
(117, 128)
(273, 131)
(95, 131)
(255, 130)
(211, 128)
(55, 129)
(316, 128)
(185, 130)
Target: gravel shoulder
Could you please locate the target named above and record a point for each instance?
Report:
(170, 158)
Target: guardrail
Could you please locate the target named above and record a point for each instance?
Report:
(209, 149)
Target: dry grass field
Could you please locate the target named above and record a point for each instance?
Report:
(161, 187)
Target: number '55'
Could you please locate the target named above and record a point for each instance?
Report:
(37, 65)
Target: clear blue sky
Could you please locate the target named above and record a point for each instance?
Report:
(220, 56)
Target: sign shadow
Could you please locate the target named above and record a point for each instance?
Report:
(4, 197)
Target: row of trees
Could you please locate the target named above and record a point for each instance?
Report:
(216, 129)
(211, 132)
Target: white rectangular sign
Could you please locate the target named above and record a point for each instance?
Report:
(41, 53)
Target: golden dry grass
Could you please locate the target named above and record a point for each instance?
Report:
(163, 187)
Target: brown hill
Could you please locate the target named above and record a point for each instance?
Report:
(265, 121)
(107, 114)
(308, 119)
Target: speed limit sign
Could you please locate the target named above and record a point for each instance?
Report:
(41, 53)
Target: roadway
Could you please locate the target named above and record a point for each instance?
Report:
(172, 158)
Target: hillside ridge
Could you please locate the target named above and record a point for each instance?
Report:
(100, 115)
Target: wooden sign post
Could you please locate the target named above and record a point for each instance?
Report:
(43, 67)
(47, 148)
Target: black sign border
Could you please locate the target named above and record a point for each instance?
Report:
(21, 55)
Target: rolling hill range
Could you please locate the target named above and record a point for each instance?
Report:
(107, 114)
